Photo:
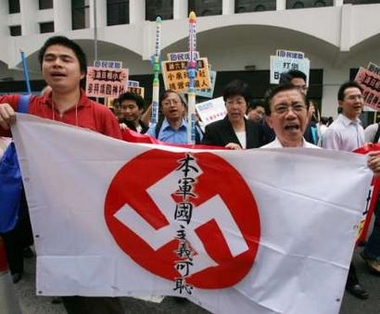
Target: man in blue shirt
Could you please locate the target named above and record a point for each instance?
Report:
(173, 129)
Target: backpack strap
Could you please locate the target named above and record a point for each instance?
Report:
(377, 135)
(158, 128)
(23, 103)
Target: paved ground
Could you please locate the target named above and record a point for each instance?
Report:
(31, 304)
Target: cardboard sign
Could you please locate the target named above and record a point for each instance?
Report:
(290, 54)
(182, 56)
(280, 65)
(373, 68)
(106, 82)
(108, 64)
(370, 83)
(137, 90)
(211, 110)
(176, 79)
(208, 92)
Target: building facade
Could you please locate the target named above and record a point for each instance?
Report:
(237, 36)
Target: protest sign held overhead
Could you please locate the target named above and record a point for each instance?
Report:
(287, 60)
(134, 87)
(370, 83)
(374, 68)
(106, 82)
(176, 77)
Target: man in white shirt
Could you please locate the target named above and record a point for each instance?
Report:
(286, 111)
(346, 133)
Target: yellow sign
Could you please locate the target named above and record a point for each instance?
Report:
(176, 78)
(137, 90)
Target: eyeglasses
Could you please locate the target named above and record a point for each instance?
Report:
(303, 88)
(281, 109)
(167, 103)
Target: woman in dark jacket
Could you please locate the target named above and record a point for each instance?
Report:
(234, 131)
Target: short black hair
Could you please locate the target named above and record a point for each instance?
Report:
(68, 43)
(132, 96)
(237, 88)
(346, 85)
(254, 103)
(286, 77)
(278, 89)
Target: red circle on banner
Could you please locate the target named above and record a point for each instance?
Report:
(216, 178)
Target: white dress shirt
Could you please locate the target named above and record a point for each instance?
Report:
(344, 134)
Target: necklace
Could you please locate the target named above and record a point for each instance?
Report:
(61, 114)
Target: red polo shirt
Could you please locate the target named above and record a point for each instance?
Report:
(87, 114)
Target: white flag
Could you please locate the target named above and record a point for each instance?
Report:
(254, 231)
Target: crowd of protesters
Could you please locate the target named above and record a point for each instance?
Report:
(285, 118)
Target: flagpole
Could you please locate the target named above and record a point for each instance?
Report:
(25, 71)
(191, 73)
(95, 33)
(156, 72)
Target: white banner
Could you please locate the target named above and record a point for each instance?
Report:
(256, 231)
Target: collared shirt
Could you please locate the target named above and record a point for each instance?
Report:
(169, 135)
(277, 144)
(87, 114)
(344, 134)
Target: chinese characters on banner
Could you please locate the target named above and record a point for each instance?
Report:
(370, 83)
(285, 61)
(183, 213)
(175, 75)
(106, 82)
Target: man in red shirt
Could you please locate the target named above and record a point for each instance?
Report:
(64, 68)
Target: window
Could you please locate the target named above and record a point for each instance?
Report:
(117, 12)
(15, 30)
(47, 27)
(242, 6)
(361, 1)
(162, 8)
(45, 4)
(299, 4)
(14, 6)
(205, 7)
(319, 3)
(80, 14)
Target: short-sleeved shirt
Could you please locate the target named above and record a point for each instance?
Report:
(169, 135)
(87, 114)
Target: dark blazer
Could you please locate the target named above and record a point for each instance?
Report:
(220, 133)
